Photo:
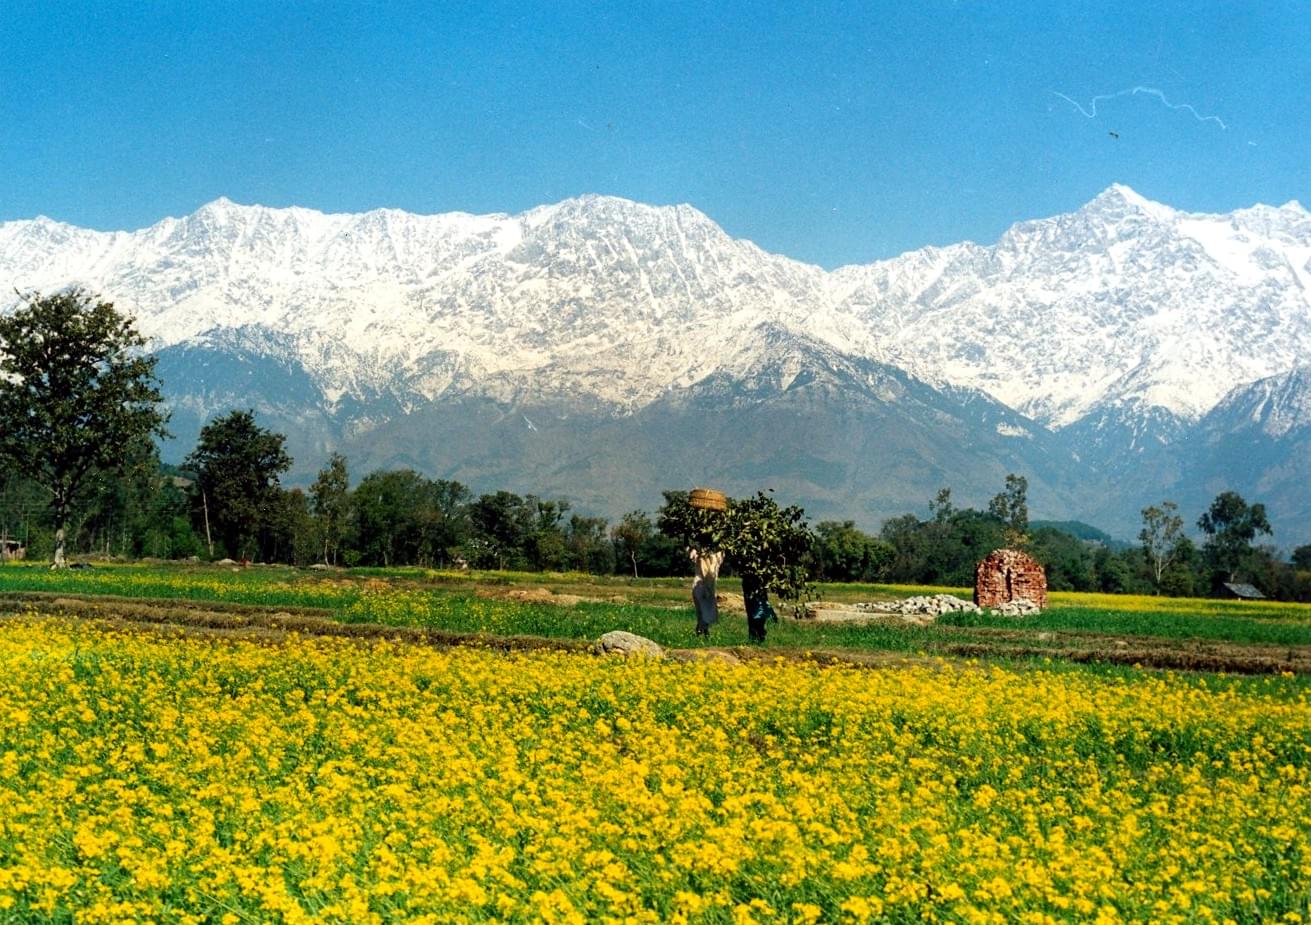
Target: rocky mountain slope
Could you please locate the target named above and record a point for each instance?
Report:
(1100, 344)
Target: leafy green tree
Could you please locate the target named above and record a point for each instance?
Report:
(502, 524)
(633, 530)
(848, 554)
(545, 544)
(1011, 507)
(1231, 524)
(290, 534)
(1067, 559)
(1180, 577)
(75, 390)
(1163, 528)
(586, 545)
(1301, 558)
(1113, 575)
(444, 521)
(769, 546)
(773, 550)
(388, 507)
(237, 494)
(941, 508)
(330, 504)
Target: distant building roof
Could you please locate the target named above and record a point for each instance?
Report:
(1245, 591)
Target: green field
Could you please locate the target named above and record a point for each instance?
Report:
(1236, 636)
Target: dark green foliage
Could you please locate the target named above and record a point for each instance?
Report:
(945, 549)
(1301, 558)
(1230, 525)
(587, 546)
(402, 518)
(768, 545)
(76, 392)
(848, 554)
(237, 464)
(1081, 531)
(330, 505)
(1067, 559)
(501, 525)
(1011, 507)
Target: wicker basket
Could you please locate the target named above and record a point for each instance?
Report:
(707, 499)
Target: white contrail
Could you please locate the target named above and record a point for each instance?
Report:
(1091, 111)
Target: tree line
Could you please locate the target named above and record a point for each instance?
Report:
(80, 413)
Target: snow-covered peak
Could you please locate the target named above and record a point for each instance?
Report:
(1123, 302)
(1118, 199)
(1275, 405)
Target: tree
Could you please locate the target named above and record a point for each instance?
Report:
(75, 390)
(629, 535)
(769, 546)
(1011, 507)
(330, 496)
(773, 550)
(1302, 558)
(1230, 525)
(586, 545)
(237, 465)
(502, 525)
(941, 507)
(848, 554)
(444, 521)
(1163, 528)
(389, 508)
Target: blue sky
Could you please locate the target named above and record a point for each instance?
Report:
(834, 133)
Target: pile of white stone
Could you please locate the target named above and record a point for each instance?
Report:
(923, 609)
(1020, 607)
(920, 610)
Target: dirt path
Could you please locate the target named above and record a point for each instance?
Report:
(253, 622)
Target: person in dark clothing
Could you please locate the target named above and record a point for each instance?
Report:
(759, 612)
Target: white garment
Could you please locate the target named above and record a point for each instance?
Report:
(703, 586)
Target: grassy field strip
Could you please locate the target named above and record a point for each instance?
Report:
(1223, 636)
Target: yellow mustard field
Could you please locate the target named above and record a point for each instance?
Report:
(149, 779)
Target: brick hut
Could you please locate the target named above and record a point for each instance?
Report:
(1008, 575)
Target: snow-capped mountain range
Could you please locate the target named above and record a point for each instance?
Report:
(1111, 333)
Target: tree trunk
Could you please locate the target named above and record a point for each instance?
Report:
(633, 556)
(61, 517)
(209, 541)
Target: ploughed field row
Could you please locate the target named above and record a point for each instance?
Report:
(189, 778)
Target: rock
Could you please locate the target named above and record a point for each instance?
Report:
(619, 642)
(1045, 637)
(1006, 575)
(226, 562)
(916, 610)
(933, 605)
(319, 567)
(704, 655)
(1120, 644)
(1020, 607)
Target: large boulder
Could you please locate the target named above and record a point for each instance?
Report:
(619, 642)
